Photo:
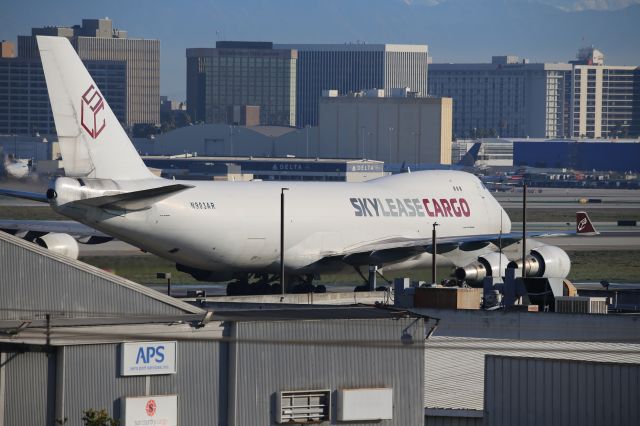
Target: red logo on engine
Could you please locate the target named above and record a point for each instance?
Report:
(150, 408)
(91, 109)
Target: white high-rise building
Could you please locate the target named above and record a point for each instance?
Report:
(605, 101)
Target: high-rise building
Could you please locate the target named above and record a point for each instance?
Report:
(605, 99)
(507, 98)
(126, 70)
(353, 68)
(238, 74)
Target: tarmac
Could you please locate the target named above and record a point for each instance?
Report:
(571, 198)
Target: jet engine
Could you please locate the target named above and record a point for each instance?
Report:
(487, 265)
(545, 262)
(63, 244)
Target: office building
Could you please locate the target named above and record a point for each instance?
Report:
(238, 74)
(393, 129)
(126, 70)
(605, 99)
(352, 68)
(506, 98)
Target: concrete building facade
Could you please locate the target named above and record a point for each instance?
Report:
(605, 101)
(506, 98)
(126, 70)
(390, 129)
(237, 74)
(352, 68)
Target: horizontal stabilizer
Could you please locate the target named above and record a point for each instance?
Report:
(34, 196)
(136, 200)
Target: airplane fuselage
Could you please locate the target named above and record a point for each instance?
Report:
(235, 226)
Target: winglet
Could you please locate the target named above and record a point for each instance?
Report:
(584, 225)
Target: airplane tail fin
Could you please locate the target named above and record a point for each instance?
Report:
(469, 159)
(584, 226)
(92, 141)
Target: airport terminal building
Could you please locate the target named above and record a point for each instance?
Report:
(267, 169)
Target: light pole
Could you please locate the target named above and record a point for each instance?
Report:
(165, 276)
(282, 239)
(434, 245)
(524, 228)
(362, 135)
(231, 140)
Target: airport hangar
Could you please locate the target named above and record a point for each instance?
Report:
(619, 155)
(67, 331)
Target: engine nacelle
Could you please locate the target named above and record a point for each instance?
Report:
(545, 262)
(63, 244)
(487, 265)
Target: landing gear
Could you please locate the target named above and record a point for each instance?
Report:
(256, 284)
(370, 282)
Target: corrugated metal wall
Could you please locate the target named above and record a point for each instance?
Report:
(29, 388)
(327, 355)
(36, 281)
(454, 366)
(452, 421)
(535, 391)
(92, 380)
(219, 382)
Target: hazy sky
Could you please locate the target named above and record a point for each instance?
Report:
(455, 30)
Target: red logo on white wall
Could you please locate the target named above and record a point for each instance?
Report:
(151, 407)
(91, 110)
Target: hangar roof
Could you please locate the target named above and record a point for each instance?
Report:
(36, 282)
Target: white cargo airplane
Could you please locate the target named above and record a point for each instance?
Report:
(220, 230)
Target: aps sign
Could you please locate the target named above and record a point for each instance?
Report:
(147, 358)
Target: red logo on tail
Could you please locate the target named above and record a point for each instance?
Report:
(583, 224)
(93, 103)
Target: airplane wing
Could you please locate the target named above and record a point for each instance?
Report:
(34, 196)
(32, 229)
(399, 248)
(393, 250)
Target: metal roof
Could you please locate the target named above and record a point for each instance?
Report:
(36, 281)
